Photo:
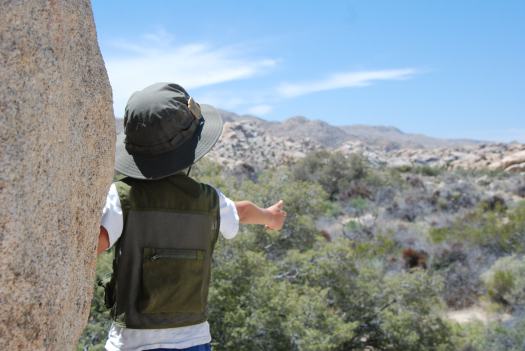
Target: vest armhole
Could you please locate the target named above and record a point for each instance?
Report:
(123, 191)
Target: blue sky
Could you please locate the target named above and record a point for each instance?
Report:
(447, 68)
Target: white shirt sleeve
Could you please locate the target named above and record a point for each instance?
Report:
(229, 217)
(112, 218)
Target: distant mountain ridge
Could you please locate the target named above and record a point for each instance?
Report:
(327, 135)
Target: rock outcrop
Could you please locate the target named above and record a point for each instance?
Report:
(57, 138)
(514, 162)
(254, 143)
(248, 143)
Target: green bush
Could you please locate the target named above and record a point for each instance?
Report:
(392, 311)
(359, 205)
(496, 230)
(428, 171)
(335, 296)
(496, 336)
(334, 171)
(253, 307)
(505, 281)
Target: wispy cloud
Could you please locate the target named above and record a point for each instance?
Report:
(263, 101)
(259, 102)
(344, 80)
(155, 59)
(260, 110)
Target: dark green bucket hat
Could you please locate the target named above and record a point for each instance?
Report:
(165, 131)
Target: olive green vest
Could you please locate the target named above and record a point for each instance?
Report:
(161, 269)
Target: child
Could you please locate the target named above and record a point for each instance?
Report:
(165, 225)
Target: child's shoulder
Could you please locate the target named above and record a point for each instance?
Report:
(185, 183)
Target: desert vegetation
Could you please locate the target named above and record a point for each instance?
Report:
(371, 258)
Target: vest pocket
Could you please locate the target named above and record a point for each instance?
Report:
(172, 281)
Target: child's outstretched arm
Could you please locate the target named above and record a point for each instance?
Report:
(272, 217)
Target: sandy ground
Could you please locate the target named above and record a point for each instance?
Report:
(476, 313)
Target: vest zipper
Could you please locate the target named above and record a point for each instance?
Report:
(178, 254)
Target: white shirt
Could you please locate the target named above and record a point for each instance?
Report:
(120, 338)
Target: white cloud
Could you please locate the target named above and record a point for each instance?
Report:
(343, 80)
(156, 59)
(225, 100)
(260, 110)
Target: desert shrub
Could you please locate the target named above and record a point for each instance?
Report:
(359, 166)
(414, 322)
(358, 205)
(505, 281)
(428, 171)
(425, 170)
(520, 191)
(493, 203)
(468, 173)
(455, 196)
(463, 286)
(385, 195)
(506, 336)
(254, 307)
(408, 207)
(403, 168)
(334, 171)
(414, 258)
(496, 336)
(493, 230)
(398, 311)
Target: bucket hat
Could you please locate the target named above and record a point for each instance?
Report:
(165, 131)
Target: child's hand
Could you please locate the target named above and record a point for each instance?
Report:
(272, 217)
(276, 216)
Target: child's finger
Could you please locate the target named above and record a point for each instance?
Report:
(280, 204)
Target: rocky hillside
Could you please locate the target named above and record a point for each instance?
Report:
(390, 138)
(251, 143)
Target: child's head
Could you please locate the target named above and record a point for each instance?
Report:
(165, 131)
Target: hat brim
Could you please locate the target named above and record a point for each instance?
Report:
(169, 163)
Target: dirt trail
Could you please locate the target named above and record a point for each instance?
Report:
(476, 313)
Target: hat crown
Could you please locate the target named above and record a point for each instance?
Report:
(157, 119)
(165, 131)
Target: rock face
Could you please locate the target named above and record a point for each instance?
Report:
(57, 138)
(515, 162)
